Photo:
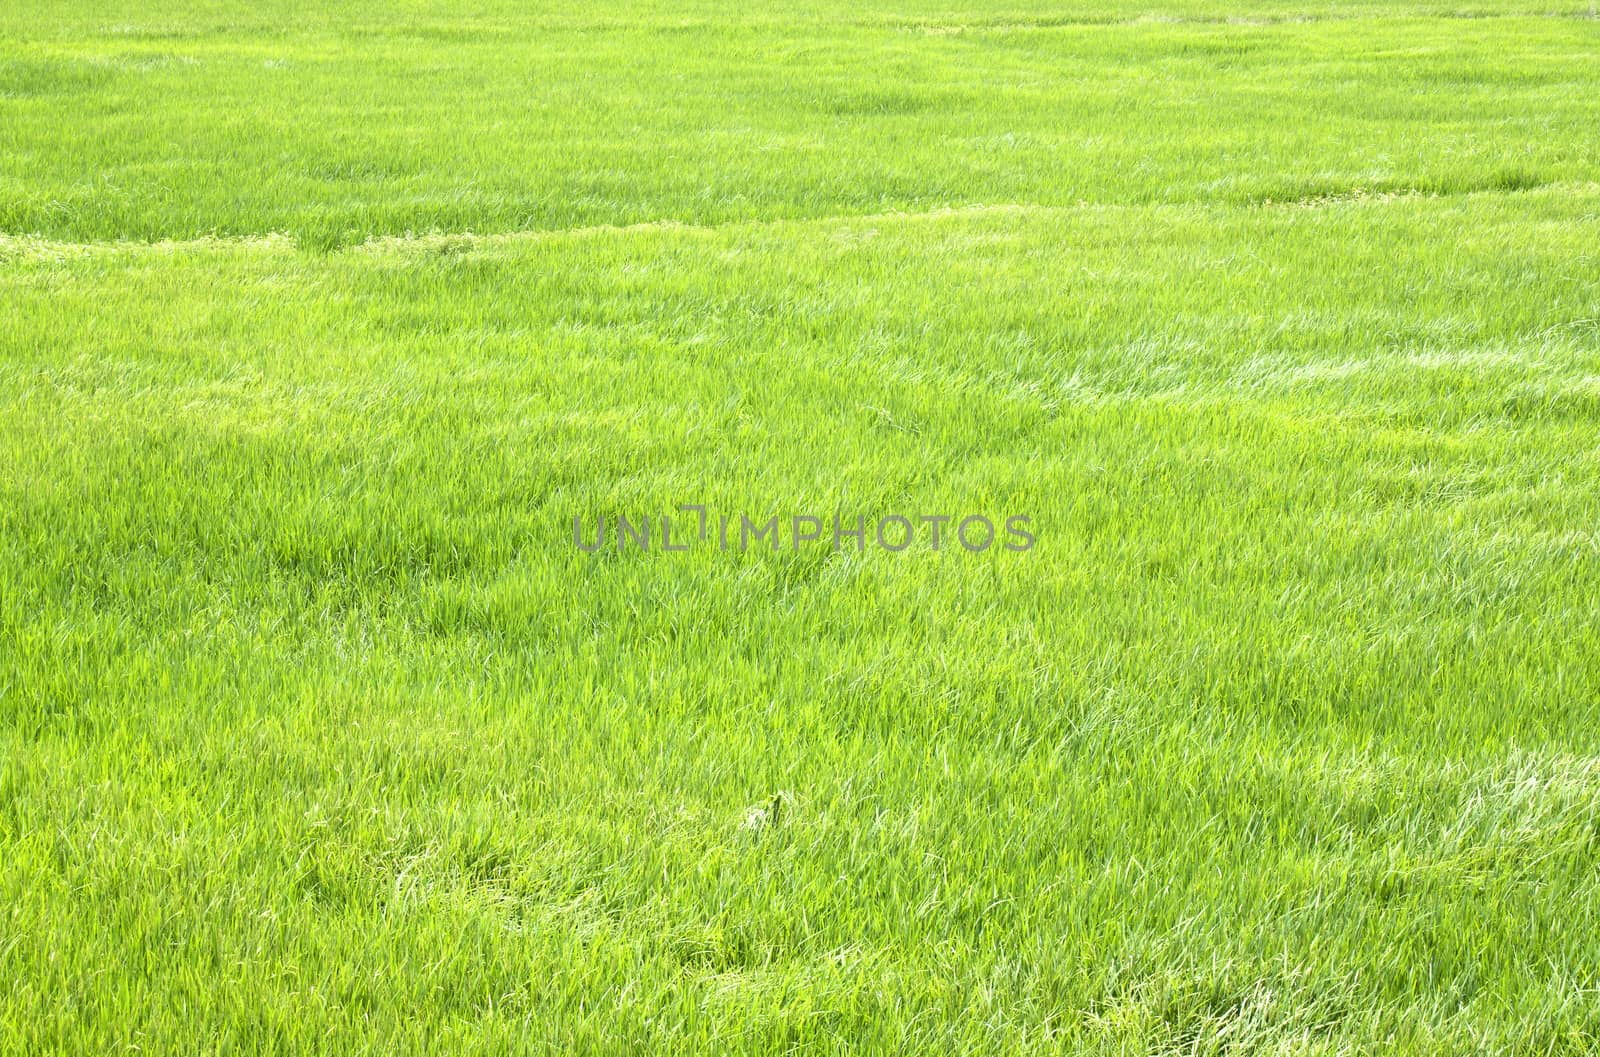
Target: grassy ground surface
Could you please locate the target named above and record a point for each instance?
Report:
(319, 325)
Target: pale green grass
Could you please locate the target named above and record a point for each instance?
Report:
(318, 328)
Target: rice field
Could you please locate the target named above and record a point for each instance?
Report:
(489, 498)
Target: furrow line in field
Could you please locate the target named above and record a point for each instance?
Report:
(14, 245)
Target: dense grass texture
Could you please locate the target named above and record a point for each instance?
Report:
(320, 325)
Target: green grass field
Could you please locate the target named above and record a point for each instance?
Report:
(320, 325)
